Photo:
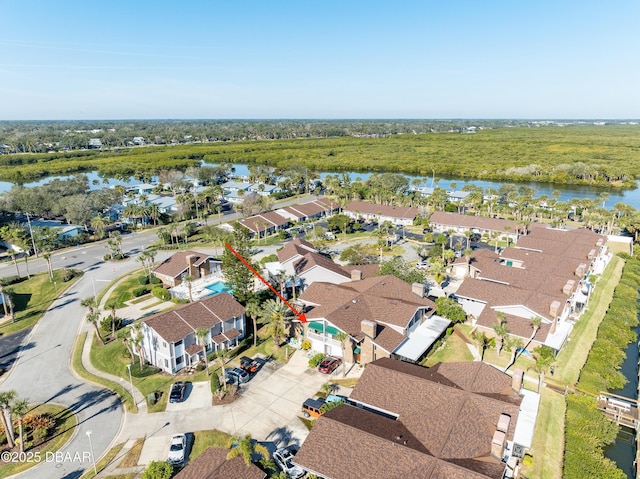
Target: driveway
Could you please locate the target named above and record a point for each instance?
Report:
(268, 408)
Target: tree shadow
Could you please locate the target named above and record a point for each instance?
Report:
(282, 437)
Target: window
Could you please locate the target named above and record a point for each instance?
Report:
(164, 344)
(178, 343)
(166, 363)
(179, 360)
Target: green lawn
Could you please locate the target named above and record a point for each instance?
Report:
(78, 368)
(453, 349)
(65, 427)
(203, 440)
(548, 440)
(32, 297)
(124, 290)
(574, 353)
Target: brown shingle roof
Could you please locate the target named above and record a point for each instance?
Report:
(457, 220)
(293, 248)
(264, 221)
(383, 299)
(176, 264)
(446, 419)
(175, 325)
(364, 207)
(311, 260)
(213, 464)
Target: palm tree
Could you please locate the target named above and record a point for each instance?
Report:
(47, 257)
(98, 223)
(544, 357)
(201, 336)
(513, 343)
(535, 322)
(247, 448)
(275, 314)
(252, 310)
(111, 304)
(188, 279)
(20, 408)
(343, 338)
(502, 330)
(6, 400)
(483, 342)
(221, 356)
(12, 252)
(91, 303)
(138, 341)
(94, 317)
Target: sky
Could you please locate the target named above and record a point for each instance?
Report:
(240, 59)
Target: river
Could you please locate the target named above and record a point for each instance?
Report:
(566, 192)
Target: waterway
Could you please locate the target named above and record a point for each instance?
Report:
(623, 451)
(566, 192)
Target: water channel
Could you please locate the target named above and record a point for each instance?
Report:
(623, 451)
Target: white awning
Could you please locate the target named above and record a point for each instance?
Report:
(422, 338)
(525, 426)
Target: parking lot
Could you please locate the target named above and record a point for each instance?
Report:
(268, 408)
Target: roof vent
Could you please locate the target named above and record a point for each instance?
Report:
(354, 301)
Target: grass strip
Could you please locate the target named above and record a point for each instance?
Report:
(78, 368)
(103, 462)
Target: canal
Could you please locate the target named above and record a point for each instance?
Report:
(623, 451)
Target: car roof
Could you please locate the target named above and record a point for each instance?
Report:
(177, 437)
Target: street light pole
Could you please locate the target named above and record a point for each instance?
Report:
(93, 457)
(93, 282)
(131, 382)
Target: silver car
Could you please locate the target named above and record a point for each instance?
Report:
(283, 458)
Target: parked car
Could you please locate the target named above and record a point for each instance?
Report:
(422, 264)
(313, 407)
(329, 364)
(248, 364)
(237, 375)
(177, 391)
(177, 449)
(283, 458)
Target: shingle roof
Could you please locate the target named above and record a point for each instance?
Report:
(175, 325)
(176, 264)
(469, 222)
(402, 212)
(383, 299)
(311, 260)
(447, 416)
(295, 247)
(213, 464)
(258, 223)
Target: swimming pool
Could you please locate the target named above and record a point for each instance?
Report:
(217, 287)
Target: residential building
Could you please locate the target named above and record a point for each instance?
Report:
(213, 464)
(452, 196)
(95, 143)
(383, 317)
(398, 215)
(174, 269)
(265, 224)
(169, 338)
(546, 275)
(309, 211)
(454, 420)
(441, 221)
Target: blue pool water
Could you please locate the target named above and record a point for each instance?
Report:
(218, 287)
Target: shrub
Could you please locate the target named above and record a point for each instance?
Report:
(105, 323)
(215, 383)
(147, 370)
(155, 280)
(306, 345)
(315, 360)
(69, 273)
(161, 293)
(143, 280)
(142, 290)
(158, 470)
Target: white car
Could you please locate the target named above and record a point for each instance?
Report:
(422, 265)
(283, 458)
(177, 449)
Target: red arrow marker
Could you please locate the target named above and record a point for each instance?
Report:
(300, 316)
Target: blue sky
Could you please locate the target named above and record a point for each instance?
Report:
(75, 59)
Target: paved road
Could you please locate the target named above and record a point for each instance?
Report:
(41, 373)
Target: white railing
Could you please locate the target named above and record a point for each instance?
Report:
(326, 339)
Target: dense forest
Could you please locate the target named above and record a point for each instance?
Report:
(588, 154)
